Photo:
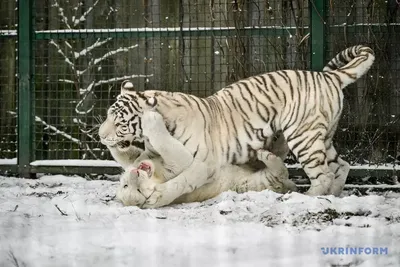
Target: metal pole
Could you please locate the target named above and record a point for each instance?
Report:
(25, 100)
(318, 33)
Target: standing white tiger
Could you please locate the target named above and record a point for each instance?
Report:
(230, 126)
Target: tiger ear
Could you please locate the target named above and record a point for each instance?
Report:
(151, 102)
(127, 87)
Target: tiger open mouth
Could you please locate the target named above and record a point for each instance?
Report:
(145, 167)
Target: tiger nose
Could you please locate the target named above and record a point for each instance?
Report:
(135, 173)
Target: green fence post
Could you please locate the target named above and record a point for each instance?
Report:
(318, 33)
(25, 101)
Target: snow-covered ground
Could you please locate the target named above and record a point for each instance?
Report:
(69, 221)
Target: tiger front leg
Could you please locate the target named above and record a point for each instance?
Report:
(175, 155)
(190, 179)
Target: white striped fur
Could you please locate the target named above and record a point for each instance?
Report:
(141, 179)
(231, 125)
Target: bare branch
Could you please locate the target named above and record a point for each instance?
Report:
(83, 125)
(76, 8)
(67, 44)
(66, 59)
(104, 57)
(80, 103)
(62, 213)
(14, 259)
(57, 131)
(61, 14)
(66, 81)
(114, 52)
(85, 51)
(85, 14)
(117, 79)
(109, 12)
(88, 89)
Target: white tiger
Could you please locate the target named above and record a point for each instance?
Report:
(139, 181)
(229, 126)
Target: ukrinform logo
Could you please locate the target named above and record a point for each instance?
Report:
(354, 250)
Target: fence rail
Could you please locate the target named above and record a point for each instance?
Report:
(65, 53)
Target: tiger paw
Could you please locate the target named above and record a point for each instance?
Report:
(146, 186)
(264, 155)
(160, 197)
(152, 123)
(320, 185)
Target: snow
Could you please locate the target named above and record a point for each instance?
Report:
(387, 167)
(114, 52)
(12, 161)
(111, 163)
(70, 221)
(191, 29)
(57, 131)
(9, 33)
(77, 162)
(178, 29)
(88, 49)
(85, 14)
(164, 29)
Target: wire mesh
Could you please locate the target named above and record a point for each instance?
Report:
(370, 127)
(8, 94)
(195, 47)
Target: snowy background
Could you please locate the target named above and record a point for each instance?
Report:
(71, 221)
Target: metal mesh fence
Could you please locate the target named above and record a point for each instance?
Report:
(196, 47)
(370, 127)
(8, 88)
(82, 50)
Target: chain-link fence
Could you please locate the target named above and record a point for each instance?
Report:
(370, 127)
(8, 88)
(82, 50)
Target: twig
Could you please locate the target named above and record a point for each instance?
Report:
(80, 103)
(85, 51)
(64, 19)
(66, 59)
(66, 81)
(57, 131)
(325, 199)
(14, 259)
(62, 213)
(95, 62)
(78, 218)
(64, 134)
(114, 52)
(116, 79)
(15, 209)
(316, 10)
(85, 14)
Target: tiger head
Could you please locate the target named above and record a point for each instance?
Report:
(122, 127)
(128, 191)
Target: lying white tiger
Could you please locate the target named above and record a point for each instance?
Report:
(230, 126)
(138, 184)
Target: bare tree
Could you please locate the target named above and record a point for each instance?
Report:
(84, 64)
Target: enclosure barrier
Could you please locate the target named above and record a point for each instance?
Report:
(59, 61)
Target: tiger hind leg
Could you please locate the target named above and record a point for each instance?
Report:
(311, 153)
(339, 167)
